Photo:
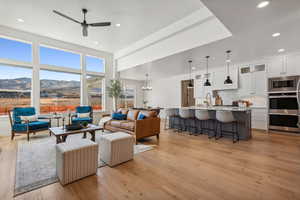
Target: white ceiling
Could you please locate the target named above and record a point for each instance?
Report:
(251, 28)
(138, 18)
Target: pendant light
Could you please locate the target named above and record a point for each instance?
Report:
(228, 81)
(207, 83)
(147, 86)
(190, 85)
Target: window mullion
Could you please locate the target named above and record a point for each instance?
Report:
(35, 83)
(83, 85)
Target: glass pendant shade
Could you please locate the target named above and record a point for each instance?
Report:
(147, 86)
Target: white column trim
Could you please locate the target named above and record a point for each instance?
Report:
(83, 85)
(35, 81)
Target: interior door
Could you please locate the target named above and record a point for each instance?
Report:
(187, 94)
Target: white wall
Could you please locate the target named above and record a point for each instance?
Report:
(166, 92)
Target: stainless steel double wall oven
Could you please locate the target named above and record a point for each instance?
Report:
(284, 103)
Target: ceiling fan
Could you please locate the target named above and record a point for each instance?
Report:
(84, 24)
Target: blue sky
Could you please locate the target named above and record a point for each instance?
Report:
(15, 50)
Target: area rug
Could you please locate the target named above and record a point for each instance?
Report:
(36, 162)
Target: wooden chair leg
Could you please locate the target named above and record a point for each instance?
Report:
(157, 136)
(12, 135)
(27, 136)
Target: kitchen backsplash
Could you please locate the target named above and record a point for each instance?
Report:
(228, 96)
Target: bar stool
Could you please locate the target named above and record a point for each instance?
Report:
(226, 117)
(187, 119)
(176, 120)
(169, 112)
(203, 117)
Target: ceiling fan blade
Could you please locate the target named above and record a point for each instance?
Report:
(67, 17)
(100, 24)
(85, 31)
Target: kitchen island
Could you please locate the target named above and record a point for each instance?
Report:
(241, 114)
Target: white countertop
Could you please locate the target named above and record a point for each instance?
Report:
(225, 108)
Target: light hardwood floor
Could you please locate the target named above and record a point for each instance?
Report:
(182, 167)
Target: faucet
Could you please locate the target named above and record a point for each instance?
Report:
(208, 99)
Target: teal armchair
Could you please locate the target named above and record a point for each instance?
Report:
(19, 126)
(82, 110)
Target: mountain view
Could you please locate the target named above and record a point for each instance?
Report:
(56, 95)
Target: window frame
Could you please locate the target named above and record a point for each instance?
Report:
(104, 64)
(103, 92)
(35, 65)
(17, 63)
(25, 67)
(63, 72)
(59, 67)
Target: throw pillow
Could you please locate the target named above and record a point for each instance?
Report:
(31, 118)
(141, 116)
(83, 115)
(118, 116)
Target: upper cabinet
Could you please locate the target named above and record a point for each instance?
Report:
(287, 65)
(220, 76)
(293, 64)
(253, 80)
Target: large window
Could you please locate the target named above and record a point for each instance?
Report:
(59, 79)
(127, 99)
(59, 91)
(15, 88)
(15, 50)
(59, 58)
(94, 86)
(94, 64)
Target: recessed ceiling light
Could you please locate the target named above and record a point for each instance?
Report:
(193, 68)
(20, 20)
(275, 34)
(106, 29)
(96, 42)
(281, 50)
(263, 4)
(118, 25)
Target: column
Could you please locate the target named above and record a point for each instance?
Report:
(83, 85)
(35, 83)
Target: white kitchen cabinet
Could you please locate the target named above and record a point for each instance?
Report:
(259, 118)
(259, 83)
(253, 81)
(221, 74)
(246, 85)
(276, 67)
(287, 65)
(292, 64)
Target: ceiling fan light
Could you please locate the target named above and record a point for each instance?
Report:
(228, 81)
(207, 83)
(84, 31)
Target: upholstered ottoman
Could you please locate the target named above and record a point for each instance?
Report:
(76, 160)
(116, 148)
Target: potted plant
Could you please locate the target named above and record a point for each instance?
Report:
(85, 124)
(114, 91)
